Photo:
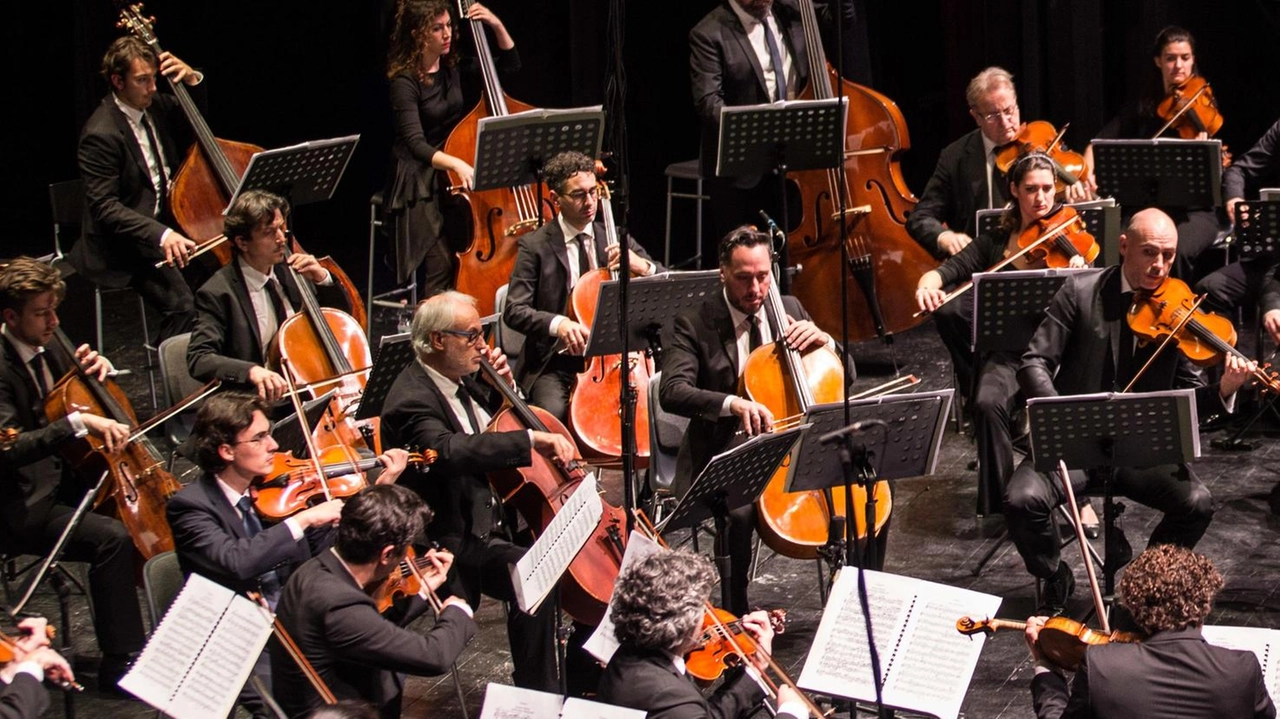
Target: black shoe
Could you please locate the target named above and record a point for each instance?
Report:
(1119, 551)
(1056, 591)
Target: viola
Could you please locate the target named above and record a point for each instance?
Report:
(1190, 109)
(1058, 238)
(1040, 136)
(1171, 313)
(715, 652)
(1062, 640)
(293, 484)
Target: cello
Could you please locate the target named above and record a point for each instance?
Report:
(498, 217)
(876, 201)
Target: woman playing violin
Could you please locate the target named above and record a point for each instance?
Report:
(1169, 590)
(657, 612)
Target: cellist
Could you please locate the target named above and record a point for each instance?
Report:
(38, 490)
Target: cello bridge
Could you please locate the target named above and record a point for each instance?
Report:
(854, 213)
(520, 227)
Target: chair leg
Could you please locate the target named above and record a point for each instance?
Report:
(148, 350)
(97, 318)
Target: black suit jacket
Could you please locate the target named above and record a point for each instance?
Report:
(225, 344)
(1172, 674)
(416, 414)
(700, 369)
(539, 290)
(955, 192)
(1078, 347)
(31, 470)
(648, 680)
(121, 232)
(210, 539)
(23, 698)
(358, 652)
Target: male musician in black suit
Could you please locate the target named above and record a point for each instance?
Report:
(1173, 671)
(1084, 345)
(240, 308)
(127, 158)
(657, 610)
(548, 265)
(37, 491)
(702, 362)
(328, 609)
(436, 404)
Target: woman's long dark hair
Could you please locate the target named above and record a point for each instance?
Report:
(412, 17)
(1011, 220)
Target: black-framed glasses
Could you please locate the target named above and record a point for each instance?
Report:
(580, 196)
(469, 335)
(256, 439)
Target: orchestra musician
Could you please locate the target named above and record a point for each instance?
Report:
(328, 609)
(22, 695)
(39, 493)
(436, 403)
(1086, 336)
(657, 609)
(996, 397)
(702, 362)
(549, 262)
(1173, 671)
(127, 157)
(240, 307)
(431, 90)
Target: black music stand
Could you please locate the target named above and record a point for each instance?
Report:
(394, 353)
(512, 149)
(911, 428)
(653, 303)
(732, 479)
(1160, 173)
(288, 434)
(1107, 431)
(303, 173)
(780, 137)
(1257, 228)
(1101, 218)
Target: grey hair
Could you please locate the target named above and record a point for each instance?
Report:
(658, 602)
(434, 314)
(987, 81)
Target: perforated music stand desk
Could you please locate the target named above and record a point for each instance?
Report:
(394, 353)
(1109, 430)
(1008, 306)
(1257, 228)
(303, 173)
(793, 135)
(511, 149)
(288, 434)
(1160, 173)
(653, 302)
(1101, 218)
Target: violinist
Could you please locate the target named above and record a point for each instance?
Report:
(548, 265)
(22, 696)
(436, 403)
(996, 397)
(328, 609)
(127, 158)
(1169, 590)
(431, 91)
(1084, 345)
(239, 309)
(657, 612)
(39, 493)
(702, 362)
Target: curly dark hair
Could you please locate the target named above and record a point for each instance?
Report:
(25, 277)
(412, 18)
(1169, 587)
(219, 420)
(658, 602)
(380, 516)
(742, 236)
(1011, 220)
(252, 209)
(561, 167)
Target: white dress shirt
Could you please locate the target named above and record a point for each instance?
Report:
(755, 36)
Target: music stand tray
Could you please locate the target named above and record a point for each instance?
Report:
(1257, 228)
(1089, 431)
(1160, 173)
(793, 135)
(304, 173)
(1008, 306)
(653, 303)
(511, 149)
(394, 353)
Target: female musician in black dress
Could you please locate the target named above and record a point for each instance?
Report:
(431, 90)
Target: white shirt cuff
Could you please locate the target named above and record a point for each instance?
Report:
(77, 423)
(555, 324)
(32, 668)
(165, 235)
(794, 708)
(462, 606)
(295, 529)
(328, 280)
(724, 407)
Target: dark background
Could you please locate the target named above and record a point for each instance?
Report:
(286, 71)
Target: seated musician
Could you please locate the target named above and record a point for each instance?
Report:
(216, 531)
(548, 265)
(127, 157)
(1031, 185)
(328, 609)
(657, 610)
(702, 362)
(22, 696)
(1169, 590)
(38, 492)
(437, 404)
(1072, 353)
(240, 308)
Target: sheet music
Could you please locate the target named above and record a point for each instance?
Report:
(576, 708)
(602, 643)
(507, 702)
(540, 568)
(201, 654)
(925, 662)
(1263, 642)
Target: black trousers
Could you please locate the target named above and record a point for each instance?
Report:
(996, 400)
(552, 388)
(1237, 283)
(954, 322)
(1170, 488)
(166, 291)
(1197, 229)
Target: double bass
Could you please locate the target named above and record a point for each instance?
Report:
(883, 257)
(498, 217)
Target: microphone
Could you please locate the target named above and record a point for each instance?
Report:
(774, 230)
(855, 428)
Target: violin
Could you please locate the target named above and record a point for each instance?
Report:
(1171, 313)
(1040, 136)
(9, 649)
(1062, 640)
(715, 652)
(407, 580)
(1190, 109)
(293, 485)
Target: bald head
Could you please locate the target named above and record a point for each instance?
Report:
(1147, 248)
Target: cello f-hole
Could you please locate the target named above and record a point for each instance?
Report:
(877, 188)
(493, 220)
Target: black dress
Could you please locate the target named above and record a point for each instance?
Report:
(424, 115)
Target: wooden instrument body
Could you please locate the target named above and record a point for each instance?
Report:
(299, 342)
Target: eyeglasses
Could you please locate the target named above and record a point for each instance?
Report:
(581, 195)
(256, 439)
(469, 335)
(1007, 112)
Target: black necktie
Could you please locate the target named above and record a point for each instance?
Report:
(163, 189)
(278, 303)
(465, 399)
(775, 57)
(754, 339)
(37, 367)
(584, 260)
(269, 581)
